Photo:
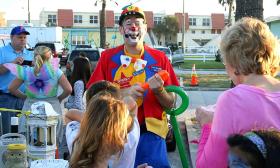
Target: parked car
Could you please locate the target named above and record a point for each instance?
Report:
(83, 46)
(167, 52)
(57, 50)
(91, 53)
(178, 56)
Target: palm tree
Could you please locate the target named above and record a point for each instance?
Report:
(169, 26)
(229, 3)
(159, 30)
(250, 8)
(102, 25)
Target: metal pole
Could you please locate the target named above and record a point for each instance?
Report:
(183, 29)
(28, 11)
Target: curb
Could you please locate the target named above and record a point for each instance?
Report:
(200, 69)
(197, 88)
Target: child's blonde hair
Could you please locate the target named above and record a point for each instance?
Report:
(40, 57)
(250, 47)
(103, 131)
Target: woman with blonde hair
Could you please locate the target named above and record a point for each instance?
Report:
(251, 57)
(103, 131)
(41, 83)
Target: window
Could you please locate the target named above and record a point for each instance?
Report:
(206, 22)
(202, 31)
(76, 40)
(216, 31)
(193, 31)
(157, 20)
(117, 18)
(52, 19)
(93, 19)
(165, 50)
(192, 21)
(78, 19)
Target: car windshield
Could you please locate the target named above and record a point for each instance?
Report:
(165, 50)
(83, 46)
(92, 55)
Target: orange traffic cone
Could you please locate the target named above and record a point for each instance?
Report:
(56, 153)
(194, 80)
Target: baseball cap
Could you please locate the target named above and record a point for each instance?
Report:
(131, 10)
(19, 30)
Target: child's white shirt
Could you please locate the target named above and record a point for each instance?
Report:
(127, 158)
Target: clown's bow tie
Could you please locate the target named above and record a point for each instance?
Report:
(139, 64)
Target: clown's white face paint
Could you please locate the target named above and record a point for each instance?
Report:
(133, 31)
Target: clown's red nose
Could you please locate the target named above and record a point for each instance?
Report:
(132, 28)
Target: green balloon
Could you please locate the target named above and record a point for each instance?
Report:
(185, 100)
(173, 113)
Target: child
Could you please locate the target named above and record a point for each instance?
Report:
(41, 83)
(79, 78)
(74, 117)
(256, 149)
(103, 132)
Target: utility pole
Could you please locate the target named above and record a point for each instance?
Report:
(28, 11)
(183, 29)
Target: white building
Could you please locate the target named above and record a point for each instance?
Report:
(200, 30)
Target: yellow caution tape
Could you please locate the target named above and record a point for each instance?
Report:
(27, 113)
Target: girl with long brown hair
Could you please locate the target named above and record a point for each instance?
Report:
(78, 80)
(103, 132)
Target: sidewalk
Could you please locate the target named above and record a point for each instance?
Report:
(196, 99)
(180, 71)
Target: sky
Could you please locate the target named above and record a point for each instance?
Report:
(17, 9)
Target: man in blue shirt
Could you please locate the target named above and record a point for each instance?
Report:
(16, 53)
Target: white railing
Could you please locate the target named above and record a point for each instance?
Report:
(201, 49)
(199, 53)
(200, 56)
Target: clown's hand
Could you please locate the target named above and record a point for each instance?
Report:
(155, 83)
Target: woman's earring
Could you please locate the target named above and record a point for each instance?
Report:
(236, 72)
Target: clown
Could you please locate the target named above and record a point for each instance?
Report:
(128, 66)
(133, 28)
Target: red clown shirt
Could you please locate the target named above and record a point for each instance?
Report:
(124, 69)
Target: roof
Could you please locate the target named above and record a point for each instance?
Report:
(272, 19)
